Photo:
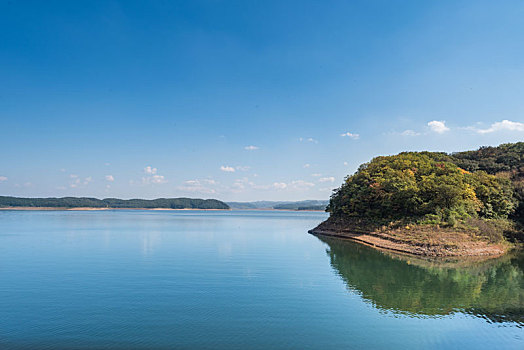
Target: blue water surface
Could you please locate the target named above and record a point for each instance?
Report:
(132, 279)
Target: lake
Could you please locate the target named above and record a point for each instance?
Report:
(124, 279)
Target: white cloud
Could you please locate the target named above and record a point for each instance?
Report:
(301, 184)
(279, 185)
(316, 175)
(251, 148)
(242, 167)
(350, 135)
(296, 185)
(227, 169)
(438, 126)
(307, 165)
(158, 179)
(152, 176)
(196, 187)
(77, 182)
(309, 139)
(110, 178)
(409, 133)
(346, 163)
(199, 186)
(503, 125)
(327, 179)
(150, 170)
(241, 184)
(3, 178)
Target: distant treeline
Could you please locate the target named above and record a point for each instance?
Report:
(303, 205)
(76, 202)
(282, 205)
(313, 207)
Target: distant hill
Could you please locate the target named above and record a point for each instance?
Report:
(282, 205)
(81, 202)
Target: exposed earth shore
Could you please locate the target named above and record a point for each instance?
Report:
(416, 240)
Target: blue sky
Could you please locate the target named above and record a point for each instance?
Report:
(246, 100)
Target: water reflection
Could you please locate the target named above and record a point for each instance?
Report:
(492, 289)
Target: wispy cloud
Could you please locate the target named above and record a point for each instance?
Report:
(409, 132)
(110, 178)
(438, 126)
(241, 184)
(158, 179)
(279, 185)
(152, 177)
(350, 135)
(242, 168)
(76, 181)
(307, 165)
(227, 169)
(251, 148)
(3, 178)
(327, 179)
(198, 186)
(301, 184)
(506, 125)
(150, 170)
(309, 139)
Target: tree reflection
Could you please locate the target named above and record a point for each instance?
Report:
(492, 289)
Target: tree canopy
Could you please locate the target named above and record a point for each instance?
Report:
(76, 202)
(435, 187)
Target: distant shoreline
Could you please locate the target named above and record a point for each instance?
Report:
(157, 209)
(96, 209)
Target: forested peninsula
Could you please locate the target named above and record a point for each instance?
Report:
(433, 203)
(110, 203)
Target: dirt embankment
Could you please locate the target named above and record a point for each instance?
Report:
(417, 240)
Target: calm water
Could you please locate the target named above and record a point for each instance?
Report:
(238, 280)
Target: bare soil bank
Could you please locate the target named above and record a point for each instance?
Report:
(417, 240)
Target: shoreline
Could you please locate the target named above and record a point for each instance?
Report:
(167, 209)
(383, 241)
(96, 209)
